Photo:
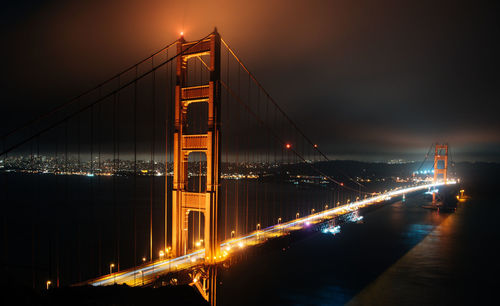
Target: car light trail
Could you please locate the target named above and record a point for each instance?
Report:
(147, 272)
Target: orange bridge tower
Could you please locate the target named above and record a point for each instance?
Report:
(440, 165)
(204, 201)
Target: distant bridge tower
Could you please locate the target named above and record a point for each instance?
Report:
(440, 154)
(203, 201)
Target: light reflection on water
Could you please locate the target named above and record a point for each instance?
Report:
(401, 255)
(420, 276)
(417, 232)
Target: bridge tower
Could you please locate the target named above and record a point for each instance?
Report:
(184, 201)
(440, 154)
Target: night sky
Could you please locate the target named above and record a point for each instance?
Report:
(367, 80)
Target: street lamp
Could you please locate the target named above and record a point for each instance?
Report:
(258, 226)
(297, 215)
(143, 259)
(111, 266)
(279, 220)
(313, 210)
(232, 234)
(48, 283)
(326, 207)
(161, 254)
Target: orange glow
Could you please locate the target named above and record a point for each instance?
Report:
(288, 146)
(182, 33)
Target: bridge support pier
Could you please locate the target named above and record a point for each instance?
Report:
(205, 280)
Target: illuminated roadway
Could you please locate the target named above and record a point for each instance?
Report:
(146, 273)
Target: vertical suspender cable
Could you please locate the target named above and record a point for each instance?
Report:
(99, 165)
(237, 170)
(78, 234)
(115, 173)
(116, 165)
(4, 216)
(255, 160)
(33, 227)
(152, 161)
(37, 231)
(118, 216)
(168, 71)
(91, 180)
(247, 160)
(226, 148)
(200, 157)
(66, 170)
(58, 232)
(134, 203)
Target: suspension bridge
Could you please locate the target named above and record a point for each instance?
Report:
(173, 164)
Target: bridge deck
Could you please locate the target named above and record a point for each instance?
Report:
(146, 273)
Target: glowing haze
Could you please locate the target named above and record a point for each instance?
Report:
(370, 80)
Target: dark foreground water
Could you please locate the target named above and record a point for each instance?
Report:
(401, 255)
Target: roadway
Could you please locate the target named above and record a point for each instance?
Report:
(146, 273)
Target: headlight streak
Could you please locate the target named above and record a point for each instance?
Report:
(163, 266)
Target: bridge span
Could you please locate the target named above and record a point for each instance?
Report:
(147, 273)
(228, 157)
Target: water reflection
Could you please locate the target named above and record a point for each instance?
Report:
(398, 255)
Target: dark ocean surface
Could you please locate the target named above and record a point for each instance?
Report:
(401, 254)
